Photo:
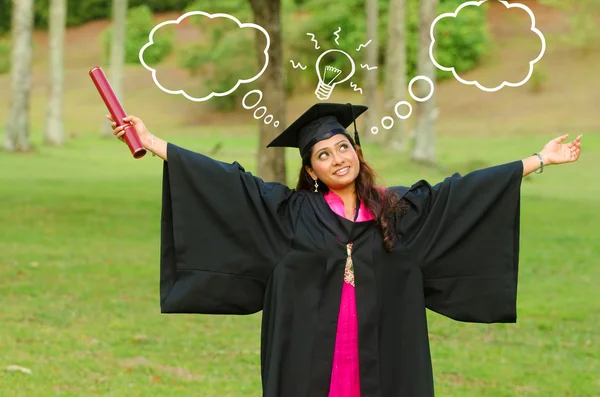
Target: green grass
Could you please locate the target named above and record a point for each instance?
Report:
(79, 239)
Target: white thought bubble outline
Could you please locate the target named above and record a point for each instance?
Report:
(211, 16)
(504, 83)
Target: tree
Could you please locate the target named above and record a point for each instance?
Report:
(117, 53)
(17, 128)
(54, 133)
(372, 50)
(271, 162)
(424, 145)
(395, 72)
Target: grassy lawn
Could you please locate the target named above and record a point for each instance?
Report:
(79, 279)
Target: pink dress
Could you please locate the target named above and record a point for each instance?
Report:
(345, 379)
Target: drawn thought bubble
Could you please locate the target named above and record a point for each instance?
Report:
(505, 83)
(211, 16)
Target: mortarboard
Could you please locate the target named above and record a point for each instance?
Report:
(320, 122)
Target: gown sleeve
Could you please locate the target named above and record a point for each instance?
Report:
(464, 234)
(222, 233)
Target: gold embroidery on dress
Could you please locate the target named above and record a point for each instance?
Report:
(349, 272)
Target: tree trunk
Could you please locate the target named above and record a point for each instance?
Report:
(54, 134)
(395, 75)
(17, 128)
(424, 147)
(371, 118)
(117, 53)
(271, 161)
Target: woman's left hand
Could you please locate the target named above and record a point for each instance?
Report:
(556, 152)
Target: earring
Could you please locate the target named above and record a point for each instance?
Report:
(316, 186)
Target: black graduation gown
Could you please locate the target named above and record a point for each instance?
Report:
(233, 244)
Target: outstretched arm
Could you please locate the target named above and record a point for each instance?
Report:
(555, 152)
(150, 142)
(464, 233)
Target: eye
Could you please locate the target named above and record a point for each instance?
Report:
(343, 146)
(323, 155)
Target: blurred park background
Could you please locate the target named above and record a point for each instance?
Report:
(80, 217)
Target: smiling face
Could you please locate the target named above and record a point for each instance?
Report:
(334, 162)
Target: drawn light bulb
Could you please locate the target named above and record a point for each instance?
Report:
(330, 76)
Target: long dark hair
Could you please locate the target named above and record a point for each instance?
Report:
(384, 204)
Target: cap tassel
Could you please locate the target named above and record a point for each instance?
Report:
(356, 140)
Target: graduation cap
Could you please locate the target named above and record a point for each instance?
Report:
(320, 122)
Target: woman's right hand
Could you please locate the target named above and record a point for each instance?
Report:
(137, 124)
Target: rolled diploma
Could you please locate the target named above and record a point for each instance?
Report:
(116, 111)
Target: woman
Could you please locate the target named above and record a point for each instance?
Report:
(343, 270)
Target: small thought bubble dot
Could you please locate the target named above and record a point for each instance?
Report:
(374, 130)
(410, 91)
(260, 95)
(403, 117)
(264, 108)
(390, 120)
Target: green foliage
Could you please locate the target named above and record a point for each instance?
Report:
(538, 80)
(5, 16)
(161, 5)
(5, 56)
(240, 9)
(139, 26)
(461, 42)
(322, 18)
(228, 54)
(78, 12)
(81, 11)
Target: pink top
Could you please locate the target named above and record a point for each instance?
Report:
(345, 379)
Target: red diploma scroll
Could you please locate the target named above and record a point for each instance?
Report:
(117, 112)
